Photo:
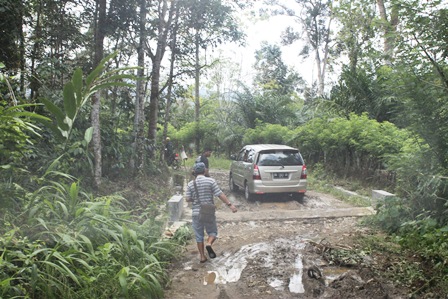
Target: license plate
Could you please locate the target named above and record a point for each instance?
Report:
(280, 175)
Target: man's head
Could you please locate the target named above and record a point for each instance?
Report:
(207, 151)
(199, 168)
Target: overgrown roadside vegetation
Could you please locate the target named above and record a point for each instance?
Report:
(65, 243)
(412, 254)
(62, 239)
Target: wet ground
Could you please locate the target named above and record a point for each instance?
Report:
(280, 248)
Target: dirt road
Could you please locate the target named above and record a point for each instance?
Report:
(280, 248)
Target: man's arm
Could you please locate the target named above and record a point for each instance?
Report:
(227, 202)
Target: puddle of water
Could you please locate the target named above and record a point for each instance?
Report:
(228, 268)
(210, 278)
(276, 283)
(295, 283)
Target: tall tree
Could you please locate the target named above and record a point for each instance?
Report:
(11, 18)
(139, 116)
(315, 17)
(162, 21)
(213, 23)
(272, 74)
(421, 74)
(389, 23)
(100, 33)
(356, 36)
(170, 83)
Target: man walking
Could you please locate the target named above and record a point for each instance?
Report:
(201, 192)
(204, 159)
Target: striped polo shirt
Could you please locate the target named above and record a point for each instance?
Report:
(207, 189)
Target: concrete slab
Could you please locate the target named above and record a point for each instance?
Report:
(243, 216)
(379, 196)
(175, 207)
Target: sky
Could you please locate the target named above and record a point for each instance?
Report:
(269, 30)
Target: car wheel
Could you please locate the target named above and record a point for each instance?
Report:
(232, 186)
(249, 196)
(298, 196)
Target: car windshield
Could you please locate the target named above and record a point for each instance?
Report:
(280, 158)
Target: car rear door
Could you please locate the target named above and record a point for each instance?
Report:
(280, 167)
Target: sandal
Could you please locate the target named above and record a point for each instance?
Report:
(210, 251)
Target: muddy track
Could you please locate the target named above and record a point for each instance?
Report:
(280, 248)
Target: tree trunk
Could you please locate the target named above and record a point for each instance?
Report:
(156, 58)
(170, 79)
(138, 144)
(22, 50)
(389, 28)
(95, 115)
(34, 83)
(197, 103)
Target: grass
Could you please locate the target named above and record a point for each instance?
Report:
(68, 244)
(325, 186)
(214, 162)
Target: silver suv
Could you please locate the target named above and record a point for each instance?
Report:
(268, 168)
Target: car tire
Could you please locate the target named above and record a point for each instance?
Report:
(298, 196)
(249, 196)
(232, 186)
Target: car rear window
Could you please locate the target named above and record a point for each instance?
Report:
(280, 158)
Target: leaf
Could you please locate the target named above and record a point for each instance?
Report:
(55, 111)
(74, 190)
(104, 85)
(88, 135)
(42, 222)
(122, 275)
(116, 77)
(55, 129)
(88, 243)
(63, 270)
(53, 165)
(31, 115)
(69, 100)
(96, 72)
(77, 85)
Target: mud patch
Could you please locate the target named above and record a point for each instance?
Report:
(279, 259)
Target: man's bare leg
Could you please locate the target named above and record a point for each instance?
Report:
(210, 240)
(201, 251)
(208, 246)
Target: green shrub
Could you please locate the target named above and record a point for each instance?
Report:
(267, 133)
(67, 244)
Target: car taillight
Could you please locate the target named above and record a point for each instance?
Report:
(303, 174)
(256, 175)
